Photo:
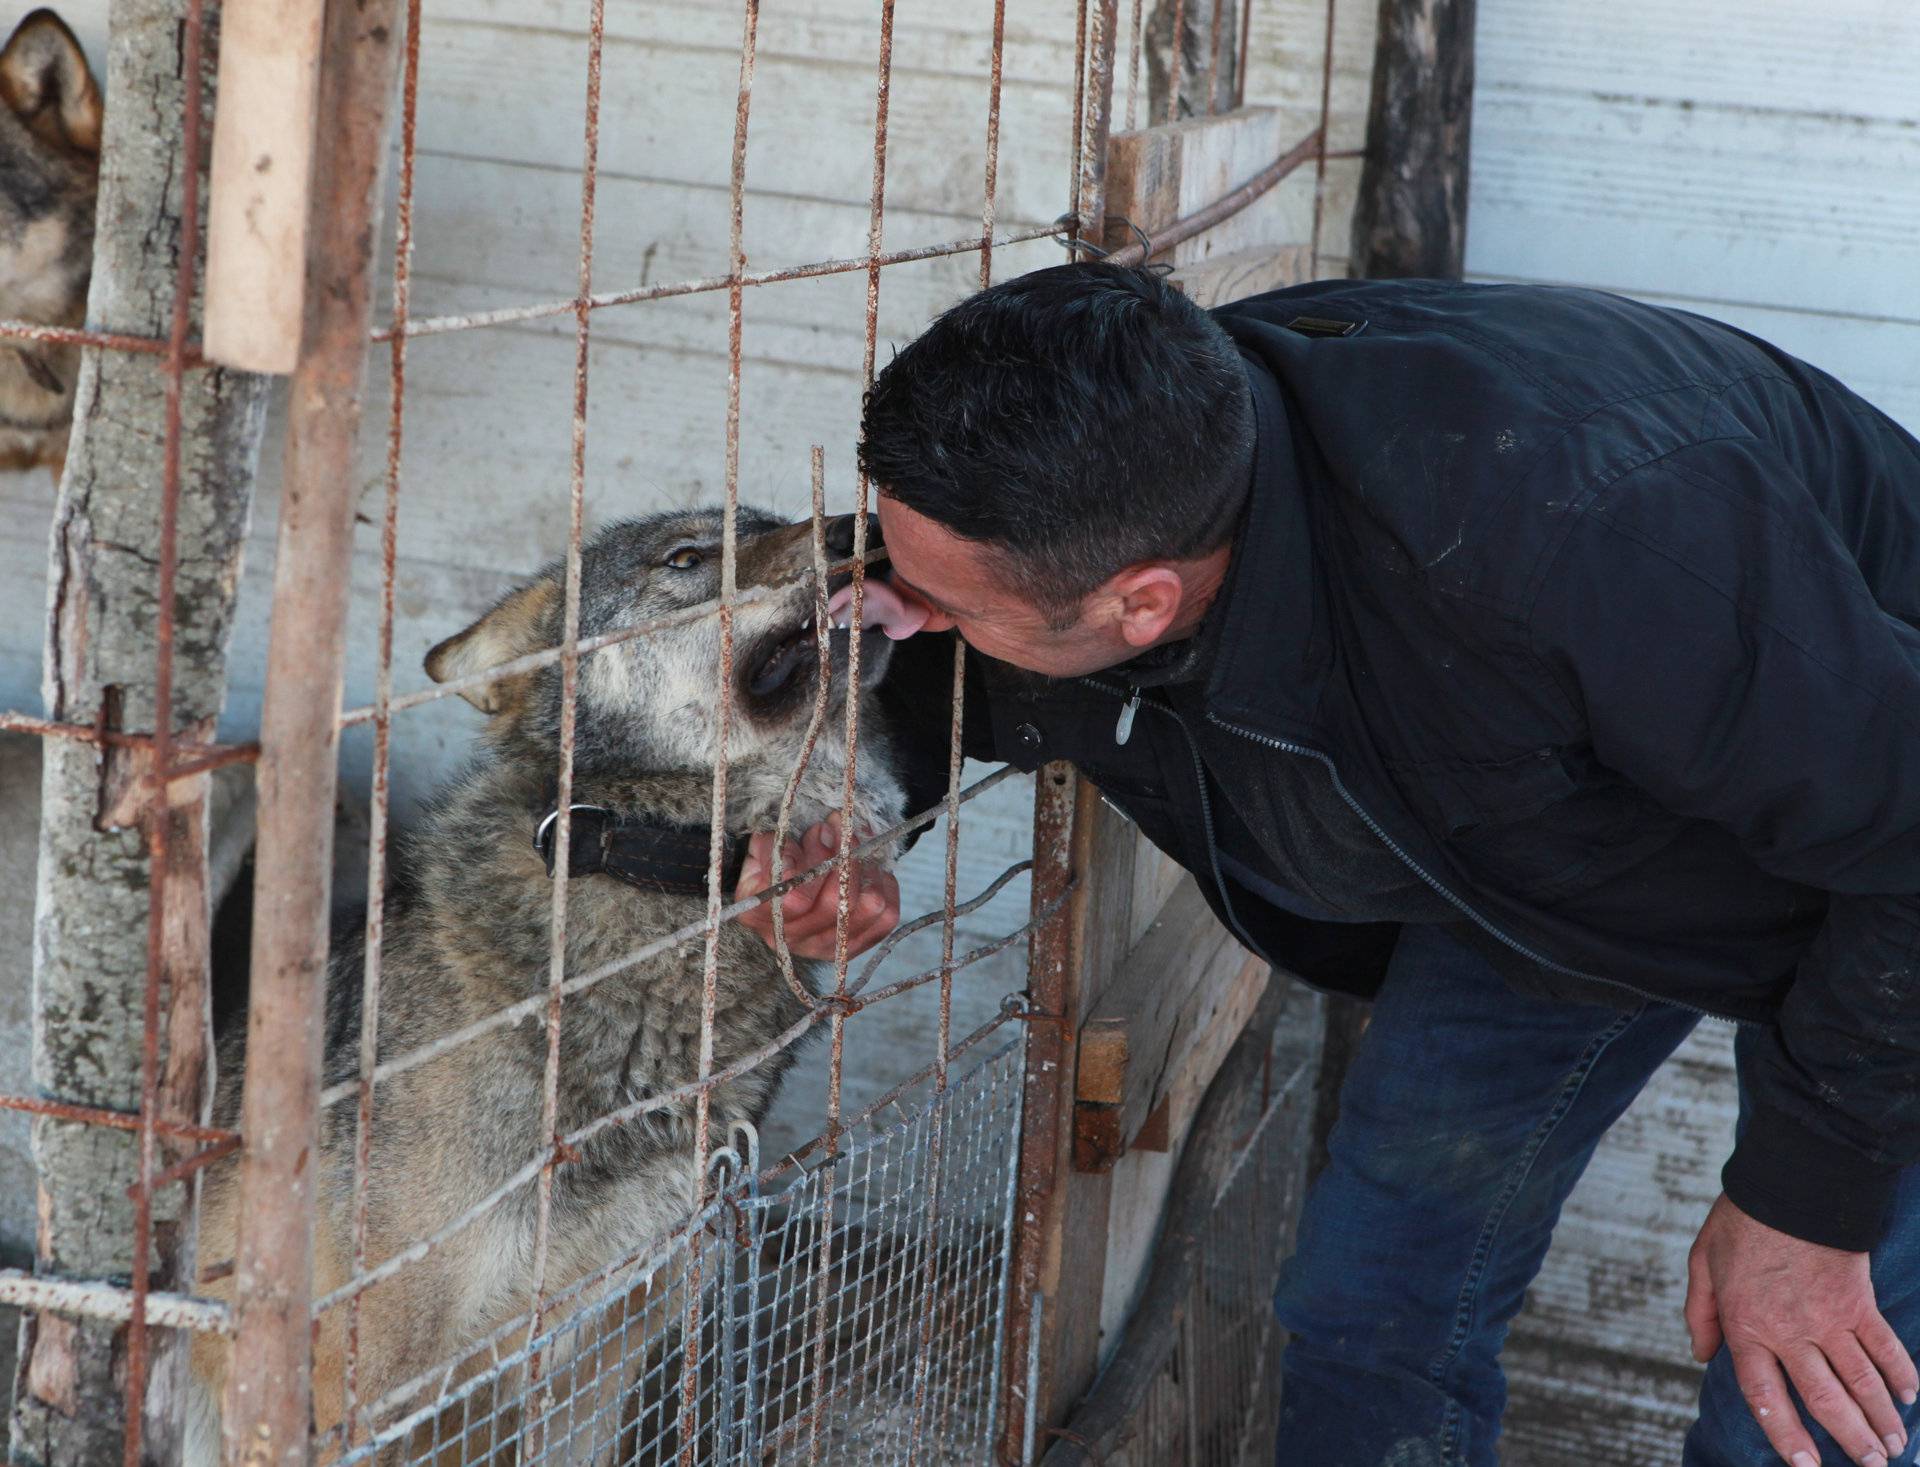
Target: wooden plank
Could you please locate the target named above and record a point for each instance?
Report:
(1135, 1025)
(1168, 1016)
(258, 184)
(1225, 1011)
(1234, 277)
(1173, 170)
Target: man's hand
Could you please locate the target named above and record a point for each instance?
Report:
(1781, 1303)
(812, 909)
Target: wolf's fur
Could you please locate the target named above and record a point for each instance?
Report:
(467, 931)
(50, 115)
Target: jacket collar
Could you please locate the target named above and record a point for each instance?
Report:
(1272, 643)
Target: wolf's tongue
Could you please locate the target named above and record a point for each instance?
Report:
(881, 609)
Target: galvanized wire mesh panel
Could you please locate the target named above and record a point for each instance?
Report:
(880, 1346)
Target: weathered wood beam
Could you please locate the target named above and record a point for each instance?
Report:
(267, 1414)
(91, 904)
(1411, 215)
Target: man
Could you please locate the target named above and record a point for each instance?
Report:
(1545, 667)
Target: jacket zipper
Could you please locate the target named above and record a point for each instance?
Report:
(1303, 752)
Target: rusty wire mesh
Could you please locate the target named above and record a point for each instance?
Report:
(724, 1313)
(872, 1285)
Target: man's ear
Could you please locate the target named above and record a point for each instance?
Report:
(1148, 599)
(517, 625)
(45, 82)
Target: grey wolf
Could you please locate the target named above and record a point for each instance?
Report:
(467, 933)
(1584, 628)
(49, 175)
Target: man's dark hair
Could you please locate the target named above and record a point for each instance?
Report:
(1077, 420)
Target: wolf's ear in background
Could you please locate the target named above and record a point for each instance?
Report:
(516, 626)
(45, 82)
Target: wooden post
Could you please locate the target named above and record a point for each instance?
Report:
(269, 1395)
(91, 917)
(1206, 51)
(263, 140)
(1411, 216)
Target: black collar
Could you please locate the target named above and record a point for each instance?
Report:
(649, 854)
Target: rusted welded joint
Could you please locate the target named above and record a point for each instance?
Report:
(1021, 1006)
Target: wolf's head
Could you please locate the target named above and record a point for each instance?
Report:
(652, 701)
(50, 116)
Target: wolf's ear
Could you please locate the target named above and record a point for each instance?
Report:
(45, 81)
(515, 627)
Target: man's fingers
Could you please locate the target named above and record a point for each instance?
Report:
(1830, 1403)
(1896, 1364)
(1864, 1383)
(756, 873)
(1702, 1311)
(1765, 1389)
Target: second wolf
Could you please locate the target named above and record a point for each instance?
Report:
(467, 934)
(50, 118)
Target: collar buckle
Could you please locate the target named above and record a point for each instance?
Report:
(587, 845)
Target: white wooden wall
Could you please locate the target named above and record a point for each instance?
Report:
(1756, 161)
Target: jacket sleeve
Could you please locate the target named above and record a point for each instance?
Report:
(917, 697)
(1729, 658)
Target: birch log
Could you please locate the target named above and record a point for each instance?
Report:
(90, 930)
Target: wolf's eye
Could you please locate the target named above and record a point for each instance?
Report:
(685, 558)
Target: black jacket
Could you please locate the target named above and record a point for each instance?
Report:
(1607, 617)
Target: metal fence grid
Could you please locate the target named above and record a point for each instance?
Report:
(875, 1343)
(870, 1287)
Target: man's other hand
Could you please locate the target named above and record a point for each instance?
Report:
(812, 908)
(1792, 1310)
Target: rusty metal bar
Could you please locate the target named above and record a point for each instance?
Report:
(950, 914)
(117, 1120)
(1320, 156)
(1224, 207)
(1240, 71)
(729, 586)
(816, 720)
(1213, 58)
(158, 817)
(509, 315)
(1046, 1100)
(88, 1300)
(381, 801)
(990, 187)
(837, 1023)
(1136, 47)
(267, 1408)
(157, 346)
(1176, 69)
(569, 692)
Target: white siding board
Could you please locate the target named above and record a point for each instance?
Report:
(1783, 209)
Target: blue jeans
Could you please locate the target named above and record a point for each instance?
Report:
(1467, 1115)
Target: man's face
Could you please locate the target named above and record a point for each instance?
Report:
(956, 582)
